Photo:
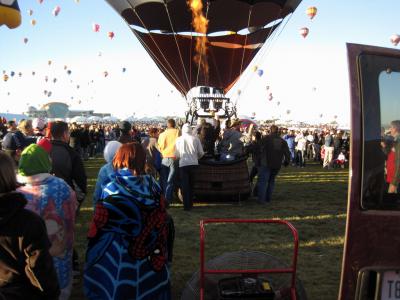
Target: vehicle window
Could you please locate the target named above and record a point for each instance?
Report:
(381, 131)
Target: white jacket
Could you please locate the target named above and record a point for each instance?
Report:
(188, 148)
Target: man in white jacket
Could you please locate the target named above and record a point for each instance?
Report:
(188, 150)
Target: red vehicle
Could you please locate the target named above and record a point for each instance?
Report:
(371, 258)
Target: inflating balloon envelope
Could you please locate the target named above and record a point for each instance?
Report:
(230, 34)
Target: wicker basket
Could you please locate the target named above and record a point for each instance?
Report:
(228, 179)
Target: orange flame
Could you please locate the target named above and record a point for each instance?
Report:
(200, 24)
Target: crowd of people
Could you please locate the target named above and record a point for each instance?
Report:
(43, 183)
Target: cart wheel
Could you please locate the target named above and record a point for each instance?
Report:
(242, 260)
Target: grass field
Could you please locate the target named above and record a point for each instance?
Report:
(312, 199)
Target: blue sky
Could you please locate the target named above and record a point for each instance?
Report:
(306, 76)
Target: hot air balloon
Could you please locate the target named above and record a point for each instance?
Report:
(304, 32)
(48, 94)
(33, 22)
(46, 78)
(40, 1)
(69, 72)
(288, 111)
(96, 27)
(12, 73)
(19, 74)
(30, 12)
(45, 92)
(54, 80)
(270, 97)
(231, 52)
(260, 72)
(278, 103)
(76, 1)
(239, 92)
(78, 86)
(49, 62)
(255, 68)
(311, 12)
(4, 71)
(267, 87)
(33, 73)
(124, 70)
(395, 39)
(25, 40)
(105, 73)
(5, 77)
(321, 115)
(111, 34)
(56, 10)
(10, 14)
(65, 67)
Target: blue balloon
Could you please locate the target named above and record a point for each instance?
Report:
(260, 72)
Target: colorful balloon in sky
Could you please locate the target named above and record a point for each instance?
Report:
(255, 68)
(260, 72)
(304, 32)
(69, 72)
(40, 1)
(30, 12)
(56, 10)
(49, 62)
(395, 39)
(270, 97)
(5, 77)
(10, 14)
(33, 22)
(12, 73)
(105, 73)
(111, 34)
(96, 27)
(124, 70)
(25, 40)
(311, 12)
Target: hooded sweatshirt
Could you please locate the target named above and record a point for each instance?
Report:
(188, 148)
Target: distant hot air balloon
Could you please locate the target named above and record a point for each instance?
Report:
(56, 10)
(99, 54)
(111, 34)
(33, 73)
(65, 67)
(311, 12)
(335, 117)
(105, 73)
(46, 78)
(40, 1)
(96, 27)
(321, 115)
(395, 39)
(76, 1)
(4, 71)
(20, 74)
(267, 87)
(304, 32)
(278, 103)
(255, 68)
(69, 72)
(288, 111)
(12, 73)
(30, 12)
(49, 62)
(33, 22)
(239, 92)
(314, 89)
(45, 92)
(5, 77)
(124, 70)
(270, 97)
(54, 80)
(48, 94)
(25, 40)
(78, 86)
(260, 72)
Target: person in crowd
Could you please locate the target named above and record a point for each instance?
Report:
(85, 141)
(273, 151)
(337, 143)
(126, 133)
(208, 134)
(52, 199)
(301, 144)
(290, 140)
(26, 266)
(76, 138)
(340, 161)
(14, 139)
(328, 149)
(153, 155)
(310, 145)
(254, 149)
(393, 159)
(128, 237)
(188, 150)
(26, 128)
(109, 135)
(169, 165)
(39, 128)
(66, 163)
(106, 171)
(231, 145)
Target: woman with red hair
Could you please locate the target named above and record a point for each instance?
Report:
(127, 252)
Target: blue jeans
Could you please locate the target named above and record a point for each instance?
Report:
(168, 171)
(266, 183)
(186, 179)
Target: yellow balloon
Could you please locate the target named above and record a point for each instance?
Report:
(10, 15)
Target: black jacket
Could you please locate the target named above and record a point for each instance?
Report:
(26, 267)
(274, 151)
(68, 165)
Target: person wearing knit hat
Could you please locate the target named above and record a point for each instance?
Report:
(45, 144)
(104, 174)
(52, 199)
